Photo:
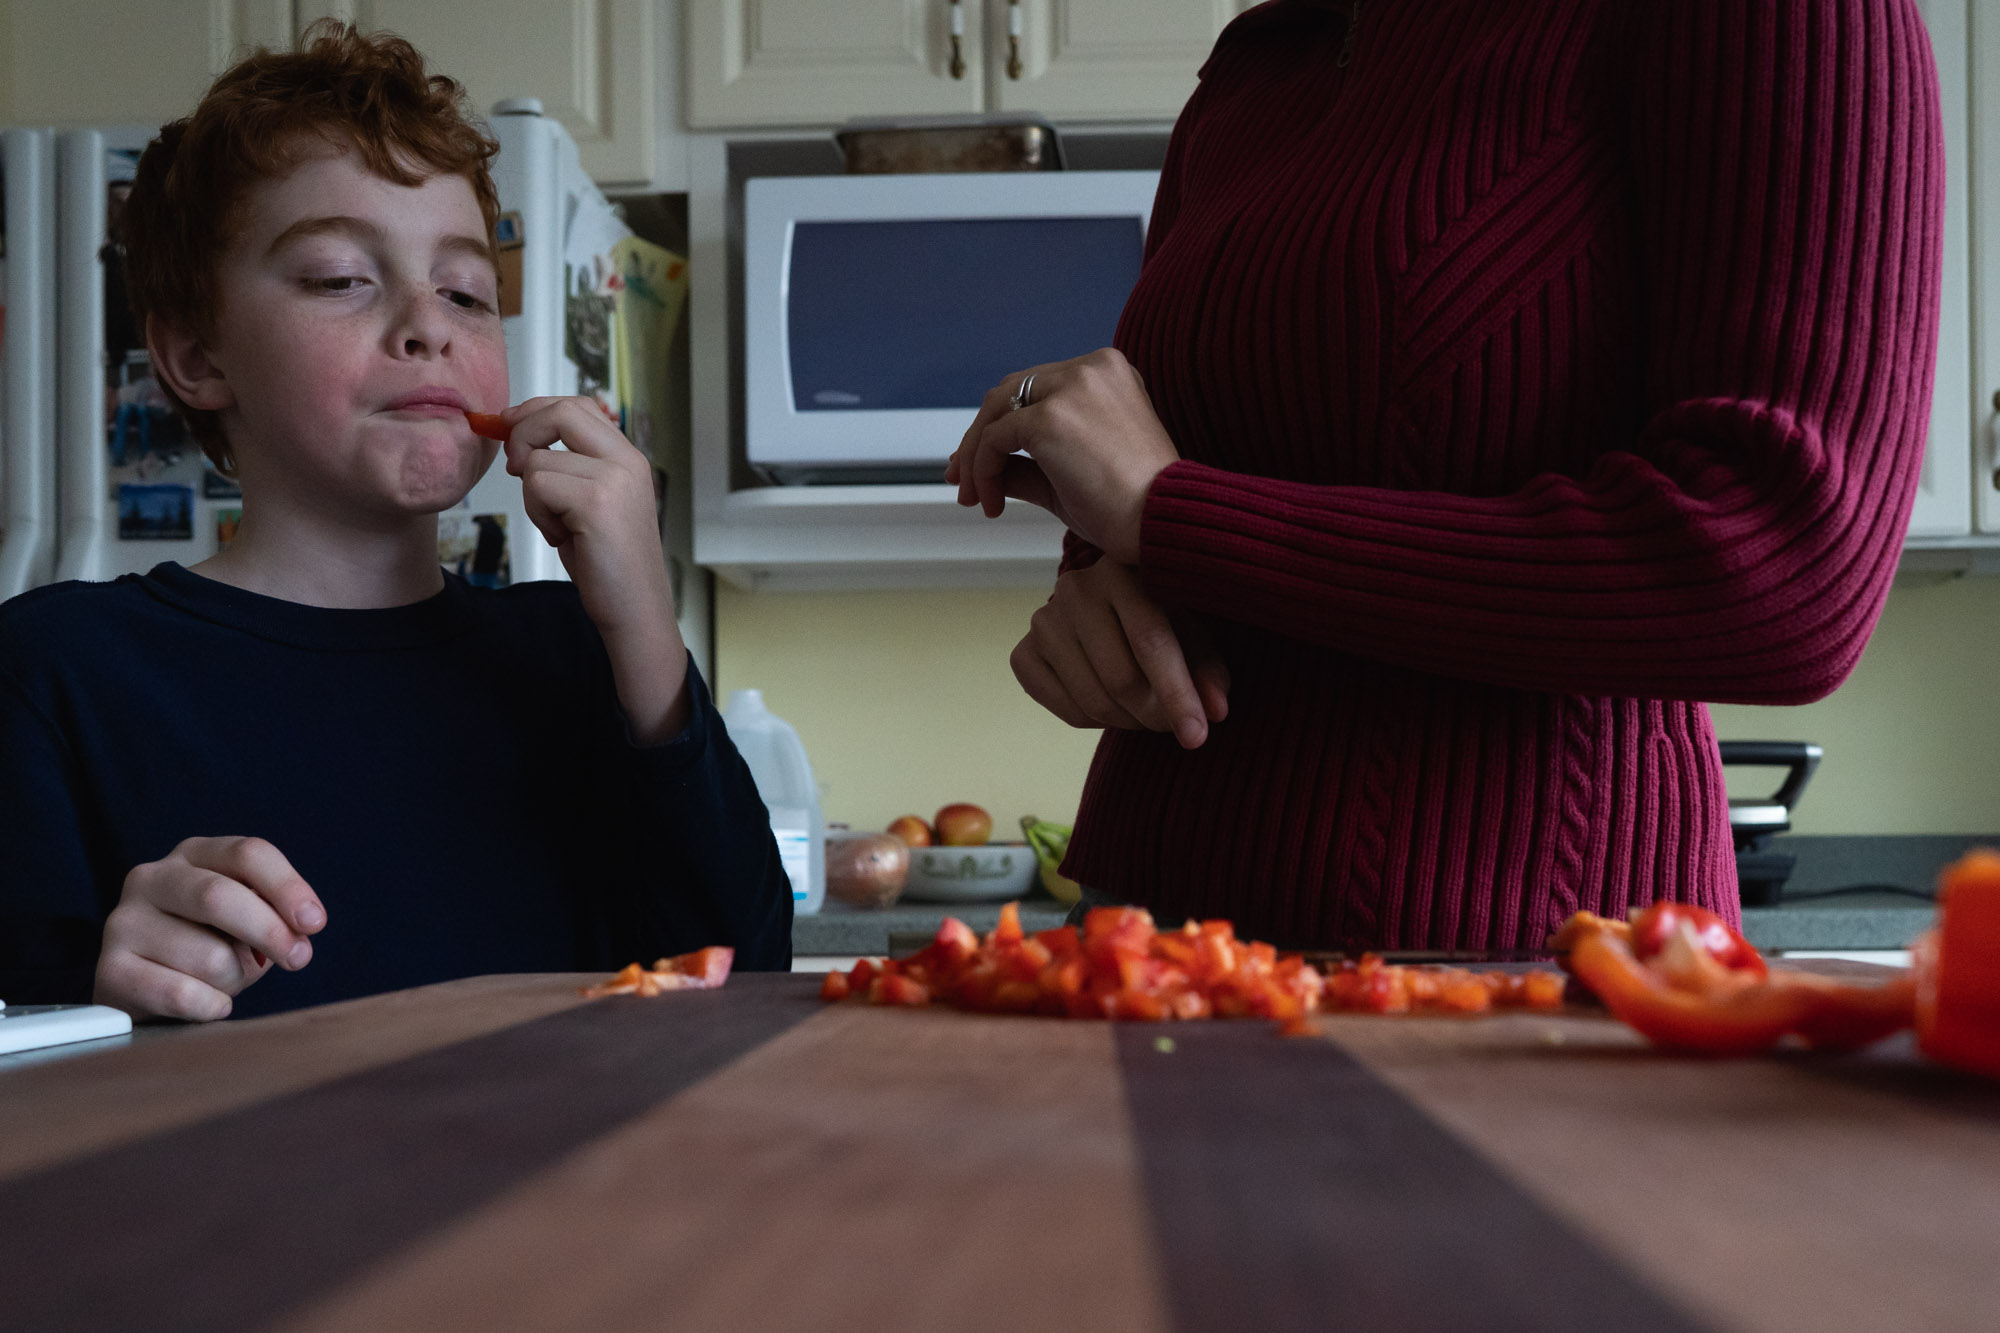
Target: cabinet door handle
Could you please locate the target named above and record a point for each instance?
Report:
(1993, 434)
(957, 39)
(1013, 39)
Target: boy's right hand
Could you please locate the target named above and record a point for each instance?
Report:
(194, 928)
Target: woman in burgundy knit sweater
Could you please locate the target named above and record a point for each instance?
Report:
(1502, 381)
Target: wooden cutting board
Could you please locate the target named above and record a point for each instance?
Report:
(500, 1153)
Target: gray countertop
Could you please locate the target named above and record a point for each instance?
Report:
(1849, 921)
(843, 930)
(1843, 921)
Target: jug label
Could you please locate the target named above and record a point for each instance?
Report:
(795, 853)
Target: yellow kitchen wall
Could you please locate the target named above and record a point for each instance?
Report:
(1912, 739)
(905, 702)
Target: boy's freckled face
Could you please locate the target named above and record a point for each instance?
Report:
(357, 318)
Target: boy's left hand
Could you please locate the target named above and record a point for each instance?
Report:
(593, 501)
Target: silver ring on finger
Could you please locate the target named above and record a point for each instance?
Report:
(1022, 395)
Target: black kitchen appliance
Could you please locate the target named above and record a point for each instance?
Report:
(1753, 821)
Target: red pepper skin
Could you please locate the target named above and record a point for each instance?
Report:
(1751, 1020)
(487, 425)
(1845, 1018)
(1652, 927)
(1746, 1019)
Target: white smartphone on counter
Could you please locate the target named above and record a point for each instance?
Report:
(28, 1026)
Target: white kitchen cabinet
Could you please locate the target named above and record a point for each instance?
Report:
(820, 62)
(124, 62)
(1101, 59)
(1943, 513)
(590, 62)
(1981, 58)
(593, 63)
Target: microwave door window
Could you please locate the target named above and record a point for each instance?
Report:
(930, 313)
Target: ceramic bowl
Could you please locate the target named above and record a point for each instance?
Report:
(996, 871)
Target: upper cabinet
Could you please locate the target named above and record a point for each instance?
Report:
(808, 62)
(1945, 505)
(1981, 404)
(1955, 524)
(1100, 59)
(591, 62)
(124, 62)
(811, 62)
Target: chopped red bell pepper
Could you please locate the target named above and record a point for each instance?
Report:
(488, 425)
(1008, 930)
(707, 968)
(894, 988)
(1119, 966)
(704, 969)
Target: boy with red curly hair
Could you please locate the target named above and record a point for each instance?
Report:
(315, 765)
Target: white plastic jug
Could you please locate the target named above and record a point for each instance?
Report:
(784, 777)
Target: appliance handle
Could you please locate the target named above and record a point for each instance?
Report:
(30, 373)
(84, 472)
(1799, 758)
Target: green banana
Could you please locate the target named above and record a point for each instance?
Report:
(1050, 841)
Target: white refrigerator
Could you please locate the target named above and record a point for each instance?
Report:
(101, 480)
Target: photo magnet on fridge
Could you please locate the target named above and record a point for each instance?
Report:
(507, 239)
(155, 513)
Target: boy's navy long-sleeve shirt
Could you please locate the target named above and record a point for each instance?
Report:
(454, 779)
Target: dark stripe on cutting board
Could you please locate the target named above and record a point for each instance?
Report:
(228, 1223)
(1291, 1188)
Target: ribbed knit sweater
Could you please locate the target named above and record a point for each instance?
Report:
(1539, 369)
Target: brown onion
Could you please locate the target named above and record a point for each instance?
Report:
(867, 871)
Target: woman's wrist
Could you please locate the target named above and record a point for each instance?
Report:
(1126, 542)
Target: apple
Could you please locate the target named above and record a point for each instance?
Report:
(962, 825)
(913, 831)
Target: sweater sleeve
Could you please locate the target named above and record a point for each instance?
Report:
(50, 920)
(1788, 169)
(691, 855)
(1076, 552)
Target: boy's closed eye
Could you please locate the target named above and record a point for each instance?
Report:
(468, 298)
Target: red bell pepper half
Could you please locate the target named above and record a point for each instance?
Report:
(1685, 998)
(1958, 969)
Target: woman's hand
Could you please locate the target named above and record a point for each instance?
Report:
(1102, 653)
(593, 501)
(1093, 446)
(194, 928)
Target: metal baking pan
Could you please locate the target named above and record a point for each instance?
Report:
(955, 143)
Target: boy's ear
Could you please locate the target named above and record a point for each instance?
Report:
(182, 365)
